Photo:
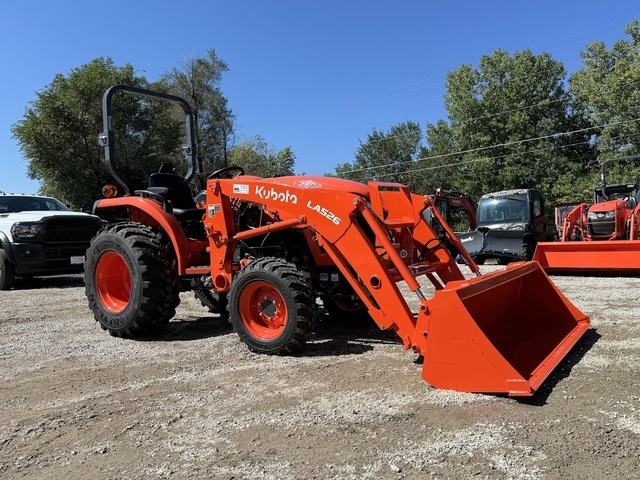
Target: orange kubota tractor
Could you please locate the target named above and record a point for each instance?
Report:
(272, 246)
(603, 237)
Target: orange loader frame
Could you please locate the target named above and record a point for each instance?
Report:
(473, 334)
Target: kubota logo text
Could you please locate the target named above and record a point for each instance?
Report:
(273, 194)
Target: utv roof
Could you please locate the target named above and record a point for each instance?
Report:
(505, 193)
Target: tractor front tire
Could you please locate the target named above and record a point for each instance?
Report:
(272, 306)
(131, 280)
(7, 272)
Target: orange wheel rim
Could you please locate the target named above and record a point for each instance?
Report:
(113, 282)
(263, 310)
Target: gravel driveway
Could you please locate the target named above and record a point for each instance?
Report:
(195, 403)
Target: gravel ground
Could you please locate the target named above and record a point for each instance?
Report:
(195, 403)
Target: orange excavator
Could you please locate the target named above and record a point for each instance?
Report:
(448, 201)
(271, 246)
(599, 238)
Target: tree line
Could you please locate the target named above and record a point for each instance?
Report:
(518, 121)
(513, 121)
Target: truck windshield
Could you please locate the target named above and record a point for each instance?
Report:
(13, 204)
(507, 209)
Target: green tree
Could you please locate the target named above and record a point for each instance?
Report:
(607, 88)
(58, 134)
(385, 156)
(509, 127)
(257, 158)
(198, 82)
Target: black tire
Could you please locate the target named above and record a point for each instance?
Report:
(529, 250)
(7, 272)
(479, 260)
(214, 302)
(345, 308)
(131, 280)
(272, 307)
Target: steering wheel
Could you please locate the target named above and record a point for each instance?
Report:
(222, 170)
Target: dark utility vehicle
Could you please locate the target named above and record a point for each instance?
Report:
(509, 225)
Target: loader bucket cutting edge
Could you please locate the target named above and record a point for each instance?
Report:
(619, 256)
(500, 333)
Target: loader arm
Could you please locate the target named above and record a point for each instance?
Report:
(571, 221)
(634, 224)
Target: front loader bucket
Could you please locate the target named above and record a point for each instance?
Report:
(604, 257)
(498, 333)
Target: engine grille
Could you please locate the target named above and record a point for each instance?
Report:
(600, 227)
(70, 229)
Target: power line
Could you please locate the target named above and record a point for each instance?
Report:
(529, 152)
(479, 149)
(393, 92)
(564, 96)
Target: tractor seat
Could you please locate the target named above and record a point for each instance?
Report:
(175, 189)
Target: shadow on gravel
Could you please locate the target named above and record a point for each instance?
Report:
(563, 369)
(334, 338)
(60, 281)
(192, 329)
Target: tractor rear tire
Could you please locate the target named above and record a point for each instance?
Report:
(272, 306)
(131, 280)
(7, 272)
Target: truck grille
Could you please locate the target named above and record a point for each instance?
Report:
(70, 229)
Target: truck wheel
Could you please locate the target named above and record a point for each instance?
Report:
(130, 280)
(7, 272)
(272, 306)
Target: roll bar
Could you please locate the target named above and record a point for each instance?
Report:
(106, 139)
(603, 180)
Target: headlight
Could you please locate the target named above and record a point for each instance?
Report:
(611, 214)
(26, 231)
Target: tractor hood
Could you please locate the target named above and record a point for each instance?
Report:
(609, 206)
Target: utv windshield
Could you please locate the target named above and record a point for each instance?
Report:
(508, 209)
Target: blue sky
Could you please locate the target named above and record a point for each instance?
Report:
(316, 76)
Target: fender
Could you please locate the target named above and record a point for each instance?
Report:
(164, 220)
